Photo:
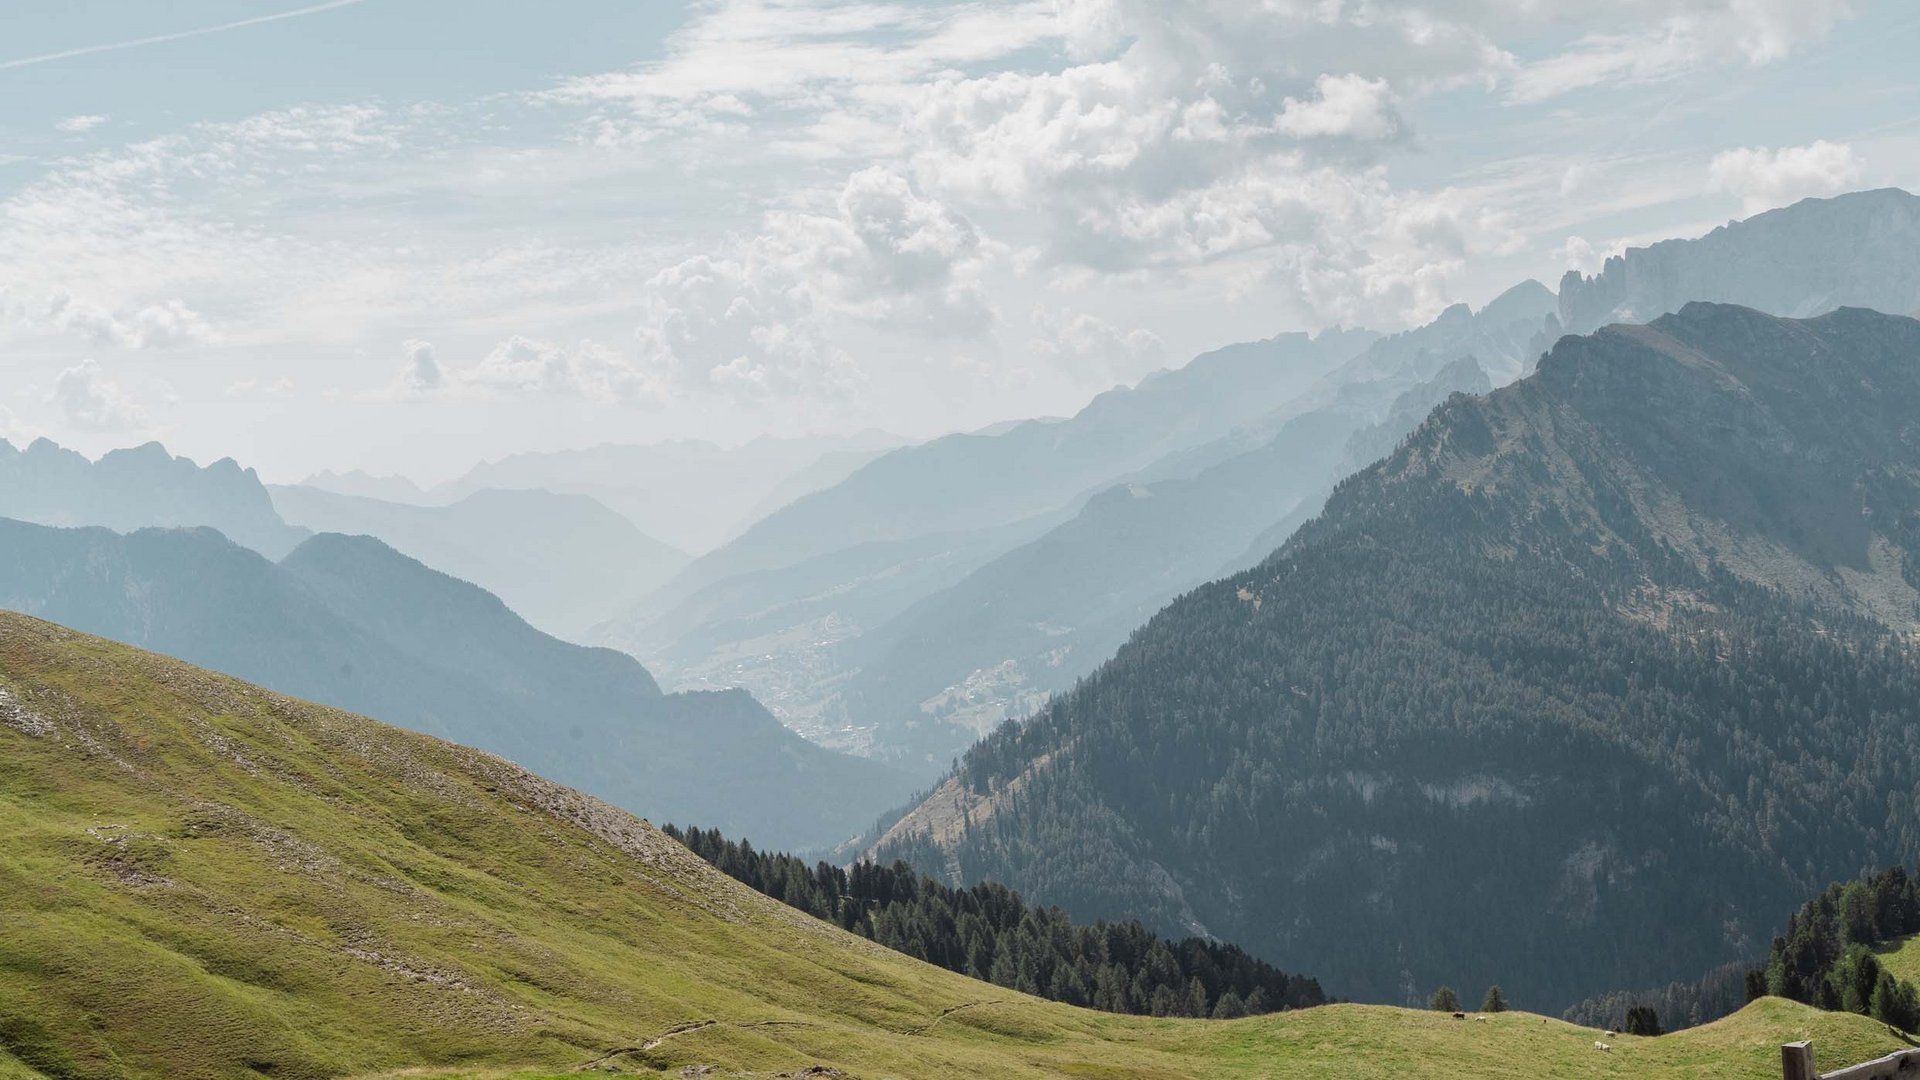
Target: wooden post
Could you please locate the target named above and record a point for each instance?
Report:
(1796, 1061)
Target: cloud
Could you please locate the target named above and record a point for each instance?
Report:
(756, 320)
(1662, 41)
(420, 373)
(1090, 349)
(255, 388)
(524, 366)
(91, 401)
(75, 125)
(1764, 178)
(164, 325)
(1343, 106)
(588, 370)
(1578, 253)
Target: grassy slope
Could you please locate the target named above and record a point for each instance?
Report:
(1902, 957)
(199, 878)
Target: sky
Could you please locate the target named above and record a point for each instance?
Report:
(409, 235)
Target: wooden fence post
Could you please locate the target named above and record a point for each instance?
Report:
(1796, 1061)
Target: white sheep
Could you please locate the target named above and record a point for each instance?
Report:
(1479, 1019)
(1609, 1034)
(1598, 1045)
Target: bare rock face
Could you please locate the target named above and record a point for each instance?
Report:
(1856, 250)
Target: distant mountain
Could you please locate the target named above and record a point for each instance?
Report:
(920, 518)
(368, 486)
(692, 495)
(1855, 250)
(1577, 689)
(562, 562)
(1038, 618)
(782, 633)
(966, 482)
(140, 488)
(349, 622)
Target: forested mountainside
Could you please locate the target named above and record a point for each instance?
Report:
(202, 879)
(563, 562)
(988, 932)
(691, 494)
(1035, 620)
(137, 488)
(1645, 617)
(349, 622)
(1856, 250)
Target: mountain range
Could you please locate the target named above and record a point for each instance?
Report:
(349, 622)
(138, 488)
(691, 494)
(834, 564)
(563, 562)
(946, 587)
(1581, 687)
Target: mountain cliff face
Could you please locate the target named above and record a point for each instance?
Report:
(1579, 688)
(1856, 250)
(142, 487)
(349, 622)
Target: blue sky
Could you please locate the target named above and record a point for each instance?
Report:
(409, 234)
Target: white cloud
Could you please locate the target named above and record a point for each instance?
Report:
(1343, 106)
(526, 366)
(91, 401)
(420, 372)
(1578, 253)
(1764, 178)
(1654, 41)
(163, 325)
(1092, 350)
(756, 320)
(588, 370)
(75, 125)
(802, 199)
(256, 388)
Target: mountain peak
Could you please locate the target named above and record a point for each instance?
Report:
(1860, 249)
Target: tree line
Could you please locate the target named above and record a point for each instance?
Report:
(1826, 957)
(988, 932)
